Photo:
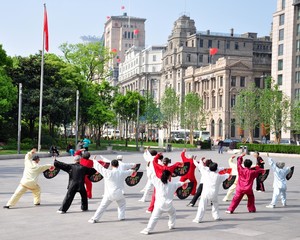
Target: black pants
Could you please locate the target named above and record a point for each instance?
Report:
(69, 199)
(198, 194)
(259, 185)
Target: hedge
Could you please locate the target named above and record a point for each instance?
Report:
(272, 148)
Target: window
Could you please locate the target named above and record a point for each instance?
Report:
(193, 44)
(201, 58)
(220, 101)
(280, 49)
(257, 82)
(228, 44)
(221, 81)
(298, 13)
(242, 82)
(236, 46)
(232, 128)
(297, 94)
(209, 44)
(233, 81)
(298, 30)
(280, 64)
(281, 19)
(218, 45)
(256, 132)
(281, 34)
(297, 61)
(153, 69)
(188, 57)
(220, 128)
(297, 77)
(298, 45)
(232, 101)
(154, 58)
(212, 128)
(201, 43)
(213, 101)
(282, 4)
(279, 79)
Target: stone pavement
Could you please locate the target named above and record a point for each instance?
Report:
(26, 221)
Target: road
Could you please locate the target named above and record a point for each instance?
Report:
(26, 221)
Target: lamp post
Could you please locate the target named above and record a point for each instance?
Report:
(77, 111)
(137, 125)
(19, 118)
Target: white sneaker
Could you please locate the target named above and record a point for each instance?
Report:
(143, 190)
(196, 221)
(225, 200)
(145, 231)
(171, 227)
(93, 221)
(60, 212)
(147, 211)
(270, 206)
(228, 212)
(142, 200)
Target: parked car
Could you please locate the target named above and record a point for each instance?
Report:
(228, 141)
(287, 141)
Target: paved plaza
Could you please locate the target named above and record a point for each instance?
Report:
(26, 221)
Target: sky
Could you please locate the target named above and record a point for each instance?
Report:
(21, 21)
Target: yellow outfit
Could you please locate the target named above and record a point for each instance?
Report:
(29, 181)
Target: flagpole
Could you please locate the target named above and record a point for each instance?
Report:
(41, 88)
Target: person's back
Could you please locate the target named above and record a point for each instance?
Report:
(246, 175)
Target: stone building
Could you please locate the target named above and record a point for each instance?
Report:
(120, 34)
(286, 50)
(188, 48)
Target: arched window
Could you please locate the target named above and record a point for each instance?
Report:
(220, 128)
(212, 128)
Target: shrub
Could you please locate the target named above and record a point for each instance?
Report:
(274, 148)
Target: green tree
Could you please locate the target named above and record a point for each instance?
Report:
(100, 112)
(193, 112)
(89, 58)
(274, 109)
(246, 109)
(295, 117)
(169, 108)
(126, 107)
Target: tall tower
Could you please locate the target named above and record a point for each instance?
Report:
(121, 33)
(286, 50)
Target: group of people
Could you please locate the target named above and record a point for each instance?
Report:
(159, 174)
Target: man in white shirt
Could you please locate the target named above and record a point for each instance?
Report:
(113, 186)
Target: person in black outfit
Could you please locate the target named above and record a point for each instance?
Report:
(77, 173)
(53, 151)
(220, 144)
(260, 164)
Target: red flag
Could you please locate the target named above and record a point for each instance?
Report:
(136, 31)
(46, 33)
(122, 7)
(213, 51)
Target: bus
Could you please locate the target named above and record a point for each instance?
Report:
(111, 133)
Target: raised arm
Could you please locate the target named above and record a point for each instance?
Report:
(63, 166)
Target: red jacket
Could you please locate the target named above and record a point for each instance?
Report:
(191, 173)
(160, 168)
(246, 176)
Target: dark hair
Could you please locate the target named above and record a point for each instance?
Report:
(86, 155)
(247, 163)
(208, 162)
(153, 152)
(166, 161)
(36, 147)
(257, 153)
(165, 176)
(213, 167)
(115, 163)
(161, 157)
(36, 157)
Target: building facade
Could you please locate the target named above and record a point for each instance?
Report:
(188, 48)
(120, 34)
(286, 50)
(141, 71)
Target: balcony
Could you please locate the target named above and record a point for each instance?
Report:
(296, 2)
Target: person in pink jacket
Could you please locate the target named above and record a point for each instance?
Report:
(244, 185)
